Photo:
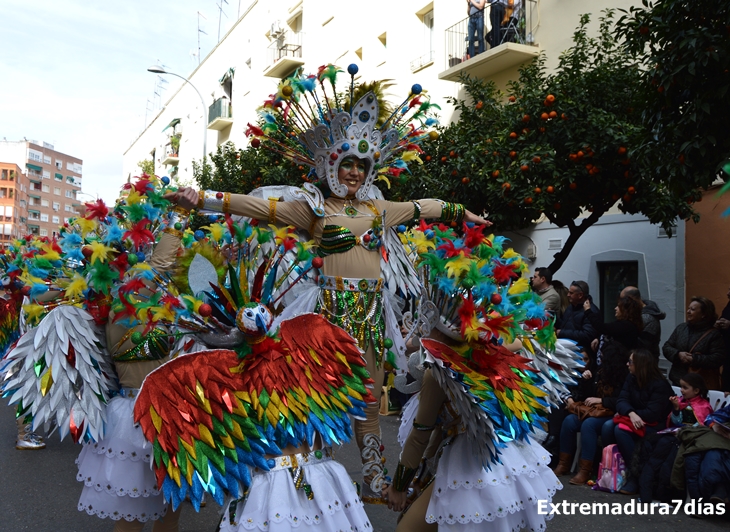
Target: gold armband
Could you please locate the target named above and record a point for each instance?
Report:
(272, 210)
(211, 200)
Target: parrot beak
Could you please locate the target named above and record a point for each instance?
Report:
(261, 324)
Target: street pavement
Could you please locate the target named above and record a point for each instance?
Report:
(39, 492)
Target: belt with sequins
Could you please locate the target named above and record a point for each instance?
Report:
(296, 460)
(327, 282)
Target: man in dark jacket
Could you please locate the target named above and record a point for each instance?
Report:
(723, 324)
(574, 324)
(651, 315)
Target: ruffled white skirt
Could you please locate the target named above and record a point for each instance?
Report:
(466, 496)
(118, 480)
(408, 416)
(275, 505)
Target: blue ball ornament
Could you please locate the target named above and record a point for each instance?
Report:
(165, 180)
(213, 218)
(429, 233)
(401, 228)
(141, 256)
(470, 225)
(345, 146)
(416, 89)
(352, 69)
(199, 235)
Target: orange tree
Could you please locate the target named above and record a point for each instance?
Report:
(563, 145)
(684, 49)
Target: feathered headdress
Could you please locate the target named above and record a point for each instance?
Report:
(311, 123)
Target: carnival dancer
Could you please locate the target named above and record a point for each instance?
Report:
(81, 359)
(348, 146)
(267, 405)
(480, 398)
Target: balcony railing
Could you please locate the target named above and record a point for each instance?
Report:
(284, 54)
(484, 53)
(171, 156)
(220, 114)
(423, 61)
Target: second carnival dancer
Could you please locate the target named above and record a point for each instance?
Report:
(478, 400)
(351, 223)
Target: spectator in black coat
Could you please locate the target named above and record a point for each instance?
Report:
(696, 345)
(723, 325)
(625, 329)
(644, 405)
(573, 324)
(651, 315)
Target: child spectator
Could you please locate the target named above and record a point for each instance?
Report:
(694, 406)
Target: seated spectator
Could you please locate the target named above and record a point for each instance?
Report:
(542, 284)
(605, 388)
(703, 459)
(625, 329)
(651, 334)
(574, 324)
(642, 408)
(723, 325)
(696, 346)
(657, 455)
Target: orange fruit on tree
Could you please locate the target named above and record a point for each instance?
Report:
(495, 173)
(443, 159)
(542, 130)
(454, 172)
(506, 186)
(536, 159)
(621, 150)
(428, 158)
(452, 153)
(465, 180)
(553, 114)
(513, 154)
(544, 116)
(550, 98)
(512, 98)
(526, 118)
(631, 190)
(524, 168)
(580, 154)
(550, 189)
(573, 186)
(538, 190)
(513, 135)
(627, 198)
(564, 116)
(479, 105)
(528, 200)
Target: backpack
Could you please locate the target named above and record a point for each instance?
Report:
(611, 471)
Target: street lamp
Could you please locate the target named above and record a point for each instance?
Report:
(156, 69)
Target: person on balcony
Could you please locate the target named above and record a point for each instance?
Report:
(475, 9)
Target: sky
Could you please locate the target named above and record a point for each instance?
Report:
(75, 72)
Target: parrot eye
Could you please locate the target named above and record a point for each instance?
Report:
(249, 313)
(6, 281)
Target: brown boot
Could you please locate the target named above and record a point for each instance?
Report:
(585, 470)
(565, 460)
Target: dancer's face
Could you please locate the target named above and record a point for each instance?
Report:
(352, 174)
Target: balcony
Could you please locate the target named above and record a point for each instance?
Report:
(171, 155)
(220, 114)
(515, 48)
(284, 54)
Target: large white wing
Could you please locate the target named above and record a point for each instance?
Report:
(559, 367)
(60, 374)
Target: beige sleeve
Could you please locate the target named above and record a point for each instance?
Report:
(296, 213)
(399, 212)
(430, 401)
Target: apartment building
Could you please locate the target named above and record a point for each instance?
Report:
(50, 182)
(13, 203)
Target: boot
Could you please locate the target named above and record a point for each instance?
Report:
(585, 470)
(564, 463)
(27, 439)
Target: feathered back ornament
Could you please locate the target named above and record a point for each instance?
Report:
(310, 122)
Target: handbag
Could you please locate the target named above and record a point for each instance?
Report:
(582, 410)
(711, 376)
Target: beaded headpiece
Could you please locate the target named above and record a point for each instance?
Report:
(319, 127)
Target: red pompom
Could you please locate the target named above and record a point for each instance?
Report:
(25, 290)
(219, 195)
(496, 299)
(317, 262)
(205, 310)
(255, 143)
(87, 251)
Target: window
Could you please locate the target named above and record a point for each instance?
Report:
(35, 155)
(57, 191)
(56, 205)
(67, 208)
(11, 192)
(71, 194)
(45, 188)
(56, 220)
(44, 203)
(46, 159)
(3, 192)
(12, 175)
(4, 175)
(34, 215)
(43, 232)
(44, 217)
(614, 277)
(46, 174)
(59, 165)
(22, 203)
(59, 177)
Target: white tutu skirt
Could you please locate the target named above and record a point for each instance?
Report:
(275, 505)
(465, 495)
(118, 480)
(408, 416)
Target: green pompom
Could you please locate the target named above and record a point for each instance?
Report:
(388, 343)
(132, 259)
(137, 338)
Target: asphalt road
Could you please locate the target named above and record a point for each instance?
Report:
(39, 492)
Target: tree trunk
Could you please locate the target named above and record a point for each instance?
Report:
(576, 231)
